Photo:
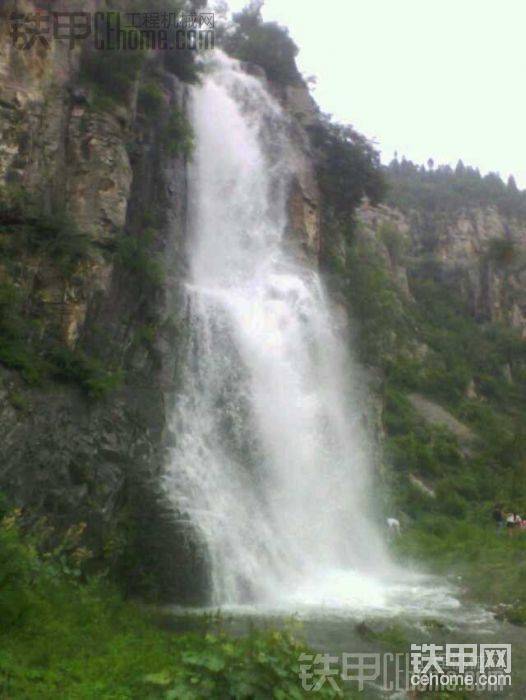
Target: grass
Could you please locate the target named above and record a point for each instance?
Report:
(66, 634)
(492, 564)
(94, 645)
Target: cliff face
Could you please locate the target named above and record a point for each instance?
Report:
(304, 199)
(92, 233)
(477, 253)
(437, 301)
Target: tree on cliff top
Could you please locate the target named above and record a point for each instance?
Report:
(441, 188)
(348, 167)
(266, 44)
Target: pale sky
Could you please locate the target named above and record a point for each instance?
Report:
(444, 79)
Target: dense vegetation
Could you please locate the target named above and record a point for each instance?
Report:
(433, 188)
(264, 44)
(67, 634)
(347, 169)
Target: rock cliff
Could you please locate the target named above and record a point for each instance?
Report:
(477, 252)
(92, 189)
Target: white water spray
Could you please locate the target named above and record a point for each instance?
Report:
(271, 465)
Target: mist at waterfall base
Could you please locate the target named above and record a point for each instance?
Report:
(272, 466)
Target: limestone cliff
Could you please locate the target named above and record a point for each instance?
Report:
(477, 252)
(92, 189)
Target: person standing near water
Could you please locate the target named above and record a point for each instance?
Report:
(393, 525)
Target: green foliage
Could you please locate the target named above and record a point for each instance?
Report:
(27, 570)
(135, 255)
(17, 566)
(433, 190)
(26, 228)
(66, 635)
(261, 665)
(393, 241)
(37, 361)
(18, 401)
(151, 100)
(516, 614)
(14, 332)
(111, 75)
(265, 44)
(490, 562)
(463, 349)
(348, 168)
(177, 136)
(182, 63)
(375, 304)
(74, 366)
(430, 452)
(21, 349)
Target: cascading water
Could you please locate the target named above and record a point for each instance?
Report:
(271, 466)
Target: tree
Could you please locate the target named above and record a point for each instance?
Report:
(348, 167)
(264, 43)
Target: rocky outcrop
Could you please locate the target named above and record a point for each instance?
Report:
(71, 447)
(478, 253)
(304, 197)
(437, 415)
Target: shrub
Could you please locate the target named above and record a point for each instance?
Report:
(263, 664)
(31, 229)
(177, 137)
(348, 167)
(16, 331)
(181, 63)
(393, 240)
(111, 74)
(503, 251)
(264, 43)
(135, 255)
(151, 100)
(18, 564)
(89, 373)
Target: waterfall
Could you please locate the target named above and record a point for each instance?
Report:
(271, 465)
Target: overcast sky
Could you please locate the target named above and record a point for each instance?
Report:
(444, 79)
